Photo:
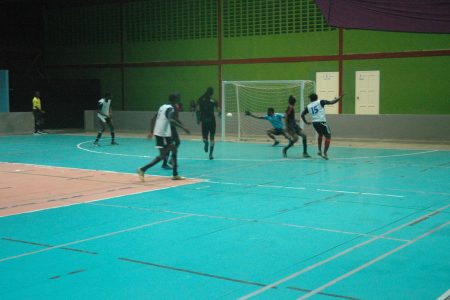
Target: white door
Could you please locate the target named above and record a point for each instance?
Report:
(327, 88)
(367, 93)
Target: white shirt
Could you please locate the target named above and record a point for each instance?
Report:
(104, 104)
(162, 125)
(317, 111)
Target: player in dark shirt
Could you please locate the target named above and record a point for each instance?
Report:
(205, 115)
(293, 129)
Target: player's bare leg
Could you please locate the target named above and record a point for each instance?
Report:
(319, 145)
(275, 141)
(141, 171)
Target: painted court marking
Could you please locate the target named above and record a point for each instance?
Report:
(91, 238)
(81, 147)
(348, 250)
(26, 188)
(371, 262)
(304, 188)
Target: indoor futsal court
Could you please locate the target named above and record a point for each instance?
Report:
(313, 163)
(76, 222)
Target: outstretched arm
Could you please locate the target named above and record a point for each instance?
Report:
(248, 113)
(330, 102)
(174, 121)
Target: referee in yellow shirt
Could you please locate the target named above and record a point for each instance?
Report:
(38, 114)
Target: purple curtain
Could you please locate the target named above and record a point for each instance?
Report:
(431, 16)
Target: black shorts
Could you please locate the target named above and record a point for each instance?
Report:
(163, 141)
(209, 128)
(322, 128)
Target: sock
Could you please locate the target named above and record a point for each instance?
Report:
(211, 148)
(327, 145)
(319, 143)
(174, 165)
(305, 145)
(152, 163)
(289, 145)
(166, 158)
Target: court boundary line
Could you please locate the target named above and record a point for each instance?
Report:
(252, 221)
(371, 262)
(224, 278)
(304, 188)
(331, 258)
(445, 295)
(92, 238)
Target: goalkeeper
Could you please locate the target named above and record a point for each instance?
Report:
(276, 119)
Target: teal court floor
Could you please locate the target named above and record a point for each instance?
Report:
(370, 223)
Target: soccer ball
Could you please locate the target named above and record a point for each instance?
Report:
(229, 114)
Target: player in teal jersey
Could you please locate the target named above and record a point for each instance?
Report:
(276, 119)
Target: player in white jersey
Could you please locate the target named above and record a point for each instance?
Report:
(160, 127)
(104, 114)
(317, 110)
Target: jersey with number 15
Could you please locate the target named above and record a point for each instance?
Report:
(317, 111)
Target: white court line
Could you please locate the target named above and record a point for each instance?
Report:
(361, 193)
(259, 185)
(251, 221)
(445, 295)
(92, 238)
(331, 258)
(180, 158)
(371, 262)
(85, 202)
(95, 200)
(386, 156)
(303, 188)
(79, 146)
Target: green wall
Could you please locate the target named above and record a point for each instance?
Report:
(408, 85)
(173, 46)
(148, 88)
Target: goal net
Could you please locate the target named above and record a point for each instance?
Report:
(256, 97)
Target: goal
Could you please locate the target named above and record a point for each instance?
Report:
(256, 97)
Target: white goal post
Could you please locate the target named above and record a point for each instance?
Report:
(256, 97)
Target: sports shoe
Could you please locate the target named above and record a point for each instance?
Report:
(275, 143)
(96, 143)
(36, 133)
(206, 146)
(211, 156)
(42, 132)
(114, 143)
(178, 177)
(285, 152)
(141, 174)
(166, 167)
(325, 156)
(306, 155)
(319, 153)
